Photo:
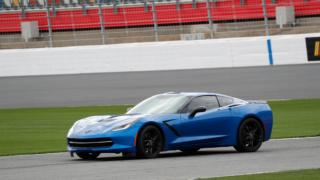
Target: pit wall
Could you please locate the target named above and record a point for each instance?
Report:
(173, 55)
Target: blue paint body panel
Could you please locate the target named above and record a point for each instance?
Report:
(213, 128)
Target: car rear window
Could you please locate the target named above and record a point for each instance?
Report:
(225, 101)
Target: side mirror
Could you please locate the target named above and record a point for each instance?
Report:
(197, 110)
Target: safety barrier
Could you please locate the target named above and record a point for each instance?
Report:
(214, 53)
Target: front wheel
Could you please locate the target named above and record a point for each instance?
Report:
(150, 142)
(88, 155)
(250, 136)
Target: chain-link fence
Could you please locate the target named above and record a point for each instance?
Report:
(56, 23)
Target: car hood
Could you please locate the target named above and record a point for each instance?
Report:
(101, 124)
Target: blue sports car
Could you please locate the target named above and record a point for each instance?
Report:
(174, 121)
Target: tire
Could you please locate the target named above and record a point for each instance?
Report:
(88, 155)
(250, 136)
(190, 151)
(150, 142)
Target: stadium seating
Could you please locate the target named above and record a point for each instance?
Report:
(67, 17)
(32, 3)
(7, 3)
(41, 3)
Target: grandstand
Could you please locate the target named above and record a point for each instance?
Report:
(80, 22)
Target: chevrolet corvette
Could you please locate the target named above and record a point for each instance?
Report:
(174, 121)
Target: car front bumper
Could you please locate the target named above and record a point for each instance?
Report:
(110, 142)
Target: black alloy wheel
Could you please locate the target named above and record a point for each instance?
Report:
(250, 136)
(88, 155)
(150, 142)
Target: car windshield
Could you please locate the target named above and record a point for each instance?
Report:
(160, 104)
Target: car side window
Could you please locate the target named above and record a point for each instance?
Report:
(209, 102)
(225, 101)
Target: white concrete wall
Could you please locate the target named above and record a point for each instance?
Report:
(231, 52)
(290, 49)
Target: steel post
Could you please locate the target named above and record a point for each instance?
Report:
(102, 26)
(155, 20)
(208, 3)
(49, 23)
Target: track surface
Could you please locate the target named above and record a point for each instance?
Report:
(276, 155)
(277, 82)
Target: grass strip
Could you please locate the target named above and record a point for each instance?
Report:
(41, 130)
(296, 118)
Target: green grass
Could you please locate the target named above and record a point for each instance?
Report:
(40, 130)
(310, 174)
(296, 118)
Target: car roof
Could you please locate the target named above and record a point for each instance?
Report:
(195, 93)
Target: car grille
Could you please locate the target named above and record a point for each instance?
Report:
(92, 142)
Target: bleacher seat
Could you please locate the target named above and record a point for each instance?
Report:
(41, 3)
(33, 3)
(73, 2)
(91, 2)
(132, 1)
(57, 3)
(15, 3)
(7, 3)
(109, 2)
(66, 2)
(24, 3)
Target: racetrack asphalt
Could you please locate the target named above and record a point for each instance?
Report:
(275, 155)
(272, 82)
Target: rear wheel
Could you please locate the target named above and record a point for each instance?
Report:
(250, 136)
(88, 155)
(150, 142)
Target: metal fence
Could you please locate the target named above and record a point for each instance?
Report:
(94, 22)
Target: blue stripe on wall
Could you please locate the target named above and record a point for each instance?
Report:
(270, 52)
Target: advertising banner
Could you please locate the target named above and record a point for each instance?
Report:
(313, 48)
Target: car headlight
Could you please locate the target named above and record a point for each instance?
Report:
(126, 125)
